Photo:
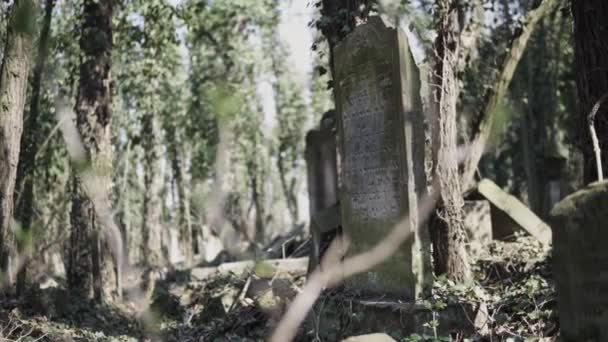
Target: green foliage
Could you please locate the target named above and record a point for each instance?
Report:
(224, 102)
(23, 20)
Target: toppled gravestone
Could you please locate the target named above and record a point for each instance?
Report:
(381, 146)
(580, 263)
(510, 208)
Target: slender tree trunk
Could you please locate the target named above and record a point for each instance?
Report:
(591, 53)
(449, 249)
(496, 92)
(529, 138)
(529, 159)
(183, 207)
(152, 231)
(288, 189)
(257, 198)
(125, 208)
(88, 259)
(30, 142)
(13, 86)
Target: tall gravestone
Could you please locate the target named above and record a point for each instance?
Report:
(381, 144)
(580, 263)
(321, 164)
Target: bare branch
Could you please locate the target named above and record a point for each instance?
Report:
(594, 139)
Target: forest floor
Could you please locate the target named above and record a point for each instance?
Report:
(513, 287)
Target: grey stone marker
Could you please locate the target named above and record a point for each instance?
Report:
(381, 144)
(321, 164)
(580, 263)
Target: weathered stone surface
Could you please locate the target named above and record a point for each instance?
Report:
(321, 163)
(327, 219)
(580, 263)
(381, 143)
(370, 338)
(516, 210)
(477, 224)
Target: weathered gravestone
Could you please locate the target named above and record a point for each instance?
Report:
(580, 263)
(381, 143)
(321, 164)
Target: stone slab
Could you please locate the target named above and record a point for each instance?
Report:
(322, 174)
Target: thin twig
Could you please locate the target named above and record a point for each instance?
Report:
(594, 140)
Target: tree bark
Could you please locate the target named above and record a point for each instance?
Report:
(30, 143)
(591, 54)
(88, 263)
(13, 87)
(497, 91)
(449, 246)
(152, 206)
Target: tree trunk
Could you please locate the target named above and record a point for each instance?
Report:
(183, 204)
(591, 53)
(257, 197)
(288, 189)
(13, 87)
(449, 248)
(152, 206)
(30, 142)
(125, 208)
(88, 264)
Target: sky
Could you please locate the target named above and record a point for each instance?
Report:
(293, 30)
